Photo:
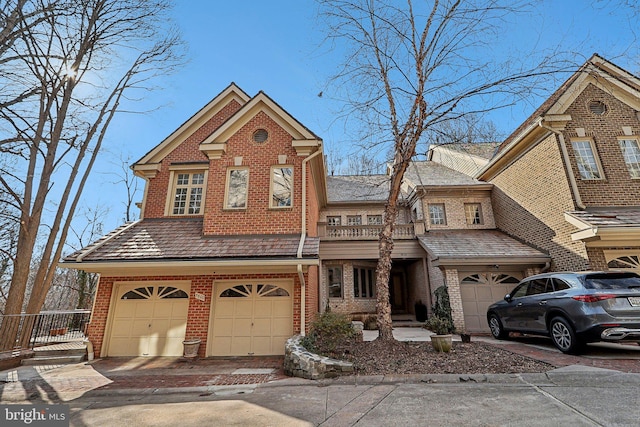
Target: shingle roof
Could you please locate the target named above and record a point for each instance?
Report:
(486, 150)
(613, 216)
(182, 239)
(434, 174)
(470, 244)
(357, 188)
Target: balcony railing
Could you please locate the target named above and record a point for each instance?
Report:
(32, 330)
(367, 232)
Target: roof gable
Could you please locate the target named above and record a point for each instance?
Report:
(304, 140)
(155, 156)
(551, 114)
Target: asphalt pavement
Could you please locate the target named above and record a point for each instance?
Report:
(597, 389)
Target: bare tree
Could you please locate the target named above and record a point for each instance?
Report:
(126, 177)
(411, 67)
(70, 67)
(468, 129)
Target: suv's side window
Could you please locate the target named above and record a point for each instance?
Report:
(560, 285)
(520, 290)
(538, 286)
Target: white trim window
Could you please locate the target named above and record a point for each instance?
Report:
(237, 188)
(631, 154)
(354, 220)
(374, 219)
(334, 221)
(588, 164)
(188, 192)
(473, 213)
(282, 186)
(437, 214)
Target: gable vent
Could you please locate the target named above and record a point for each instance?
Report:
(598, 108)
(260, 135)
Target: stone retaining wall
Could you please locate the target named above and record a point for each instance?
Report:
(299, 362)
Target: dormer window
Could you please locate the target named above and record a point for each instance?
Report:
(187, 192)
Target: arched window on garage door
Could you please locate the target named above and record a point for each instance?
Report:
(490, 279)
(625, 263)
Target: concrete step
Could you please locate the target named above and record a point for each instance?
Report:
(69, 352)
(52, 360)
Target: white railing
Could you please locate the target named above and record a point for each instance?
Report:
(365, 232)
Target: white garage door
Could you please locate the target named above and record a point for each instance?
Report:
(149, 320)
(478, 292)
(251, 319)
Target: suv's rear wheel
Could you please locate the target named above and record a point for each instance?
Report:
(563, 336)
(497, 330)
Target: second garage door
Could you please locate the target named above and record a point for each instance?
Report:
(478, 292)
(251, 318)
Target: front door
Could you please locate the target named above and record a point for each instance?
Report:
(396, 292)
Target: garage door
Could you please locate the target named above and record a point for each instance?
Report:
(149, 320)
(251, 319)
(478, 292)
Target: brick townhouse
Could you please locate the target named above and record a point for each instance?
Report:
(243, 238)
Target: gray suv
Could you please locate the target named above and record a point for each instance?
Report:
(572, 308)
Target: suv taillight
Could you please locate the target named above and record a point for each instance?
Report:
(593, 297)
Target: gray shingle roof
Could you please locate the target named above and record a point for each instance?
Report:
(182, 239)
(470, 244)
(434, 174)
(613, 216)
(358, 188)
(486, 150)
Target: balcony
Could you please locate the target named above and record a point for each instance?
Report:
(368, 232)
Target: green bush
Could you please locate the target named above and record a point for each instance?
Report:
(442, 309)
(438, 325)
(328, 333)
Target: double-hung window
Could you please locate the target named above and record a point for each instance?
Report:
(281, 186)
(334, 221)
(588, 164)
(473, 213)
(334, 281)
(374, 219)
(437, 214)
(354, 220)
(364, 282)
(631, 154)
(187, 192)
(237, 187)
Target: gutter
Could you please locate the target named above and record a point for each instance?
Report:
(567, 162)
(303, 236)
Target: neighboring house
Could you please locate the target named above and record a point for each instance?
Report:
(567, 180)
(467, 158)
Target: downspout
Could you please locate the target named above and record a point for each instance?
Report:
(567, 162)
(303, 236)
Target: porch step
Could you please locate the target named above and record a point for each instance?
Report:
(52, 360)
(58, 354)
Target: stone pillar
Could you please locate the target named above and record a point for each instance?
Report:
(455, 298)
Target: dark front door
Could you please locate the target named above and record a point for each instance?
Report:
(396, 292)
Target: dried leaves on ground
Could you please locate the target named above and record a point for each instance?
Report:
(397, 357)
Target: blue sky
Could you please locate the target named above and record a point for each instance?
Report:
(275, 46)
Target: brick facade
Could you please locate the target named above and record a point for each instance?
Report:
(529, 201)
(199, 311)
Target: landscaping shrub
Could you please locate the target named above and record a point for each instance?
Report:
(442, 307)
(328, 333)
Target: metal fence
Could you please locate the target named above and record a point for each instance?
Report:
(45, 327)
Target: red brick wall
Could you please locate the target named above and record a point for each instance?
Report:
(199, 311)
(188, 151)
(258, 217)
